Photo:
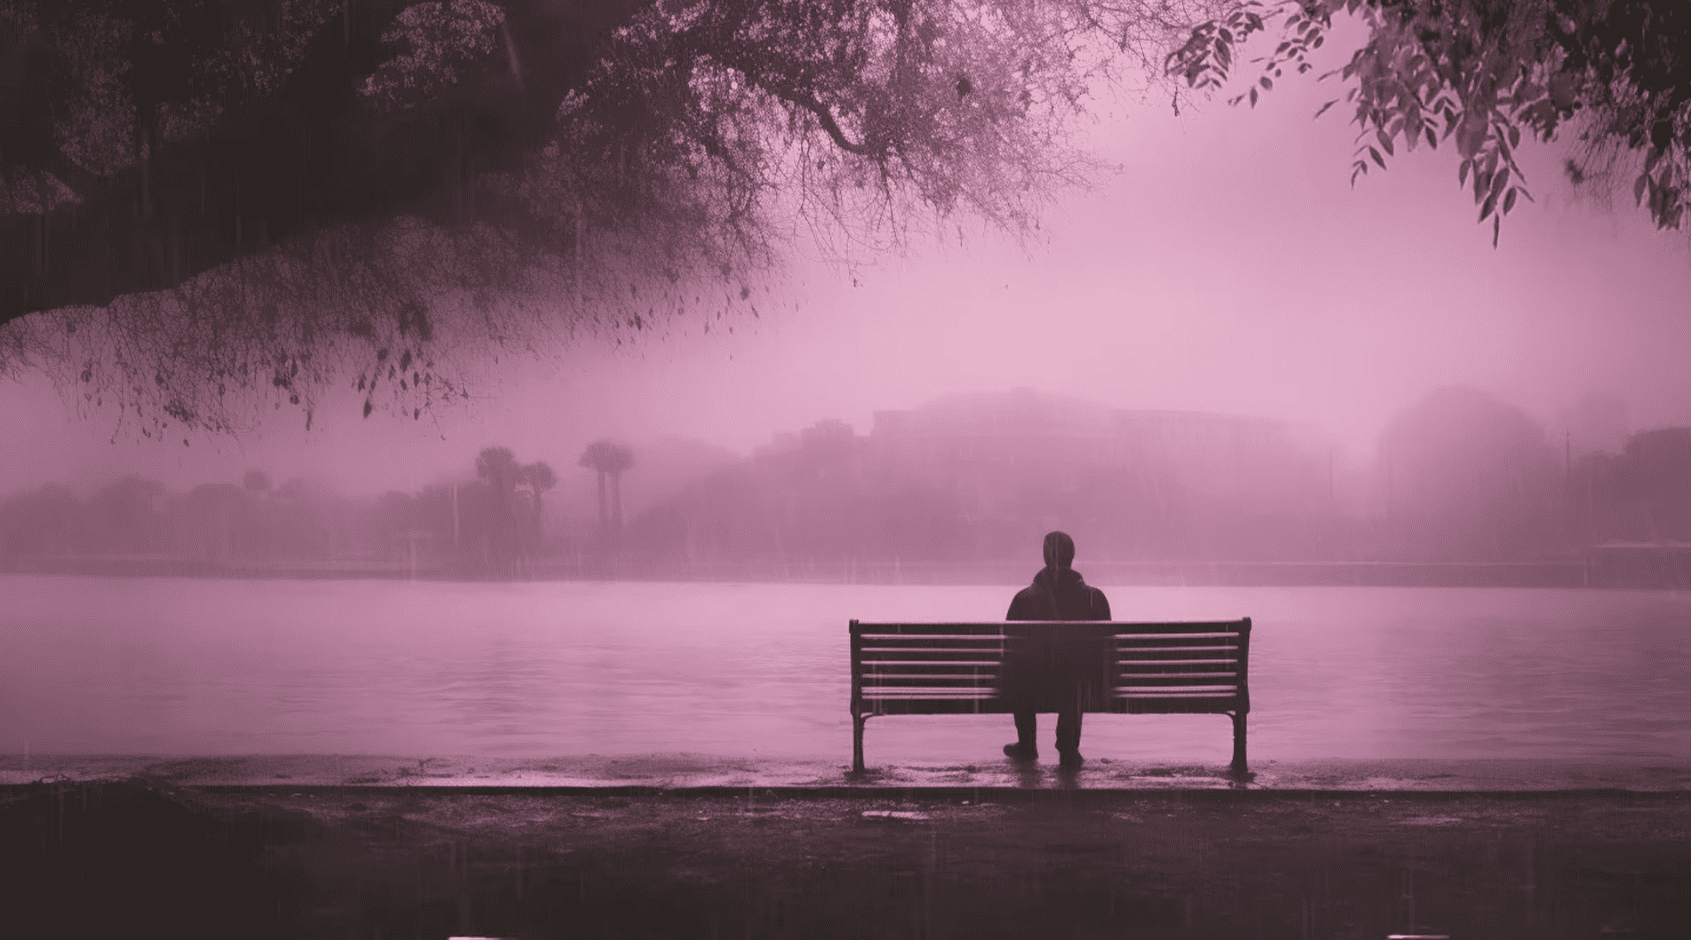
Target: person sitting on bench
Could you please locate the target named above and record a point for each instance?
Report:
(1043, 676)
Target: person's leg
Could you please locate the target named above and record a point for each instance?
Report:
(1027, 736)
(1068, 733)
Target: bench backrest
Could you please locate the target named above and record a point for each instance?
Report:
(930, 668)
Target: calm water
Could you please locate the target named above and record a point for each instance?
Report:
(138, 666)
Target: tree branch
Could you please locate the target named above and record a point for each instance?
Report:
(825, 118)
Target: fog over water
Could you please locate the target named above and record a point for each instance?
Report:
(1229, 266)
(126, 666)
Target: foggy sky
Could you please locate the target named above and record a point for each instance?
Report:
(1228, 266)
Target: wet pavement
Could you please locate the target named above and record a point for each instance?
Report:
(693, 846)
(692, 771)
(143, 857)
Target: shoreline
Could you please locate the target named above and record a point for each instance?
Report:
(1502, 574)
(702, 773)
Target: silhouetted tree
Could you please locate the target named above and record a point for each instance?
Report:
(1469, 476)
(256, 482)
(498, 467)
(125, 517)
(362, 159)
(540, 478)
(1652, 482)
(609, 460)
(41, 522)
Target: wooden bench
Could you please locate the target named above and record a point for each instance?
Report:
(1144, 669)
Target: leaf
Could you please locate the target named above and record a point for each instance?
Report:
(1324, 107)
(1253, 97)
(1267, 83)
(1470, 134)
(1485, 210)
(1496, 229)
(1638, 189)
(1514, 136)
(1462, 173)
(1432, 139)
(1386, 142)
(1497, 183)
(1509, 200)
(1377, 159)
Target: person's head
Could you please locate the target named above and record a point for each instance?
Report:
(1059, 550)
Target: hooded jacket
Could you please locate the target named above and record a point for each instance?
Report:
(1059, 594)
(1039, 675)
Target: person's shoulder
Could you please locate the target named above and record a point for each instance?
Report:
(1028, 595)
(1026, 605)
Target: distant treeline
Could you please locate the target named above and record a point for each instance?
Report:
(1460, 478)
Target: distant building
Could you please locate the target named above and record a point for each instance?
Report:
(1135, 481)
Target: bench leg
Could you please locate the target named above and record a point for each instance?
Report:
(1239, 743)
(857, 742)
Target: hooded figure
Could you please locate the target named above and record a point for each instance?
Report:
(1041, 674)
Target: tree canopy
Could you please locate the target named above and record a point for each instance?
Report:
(207, 203)
(1481, 74)
(212, 198)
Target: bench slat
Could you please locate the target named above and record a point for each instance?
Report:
(1174, 662)
(1185, 675)
(1137, 648)
(974, 655)
(934, 646)
(1176, 636)
(1137, 691)
(912, 694)
(959, 675)
(990, 683)
(992, 663)
(979, 641)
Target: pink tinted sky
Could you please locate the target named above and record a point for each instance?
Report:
(1227, 266)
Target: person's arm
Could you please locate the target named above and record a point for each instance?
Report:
(1021, 607)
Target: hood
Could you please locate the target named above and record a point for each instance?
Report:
(1058, 578)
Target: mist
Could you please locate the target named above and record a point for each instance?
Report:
(1226, 267)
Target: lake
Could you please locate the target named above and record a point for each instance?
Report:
(94, 665)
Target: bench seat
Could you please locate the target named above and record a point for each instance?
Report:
(1142, 669)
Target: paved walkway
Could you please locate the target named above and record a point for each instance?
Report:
(693, 771)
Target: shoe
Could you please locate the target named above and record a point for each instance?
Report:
(1019, 751)
(1070, 759)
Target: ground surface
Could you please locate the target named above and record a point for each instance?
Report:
(693, 771)
(131, 858)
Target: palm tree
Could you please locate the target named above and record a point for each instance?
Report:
(609, 460)
(498, 466)
(540, 478)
